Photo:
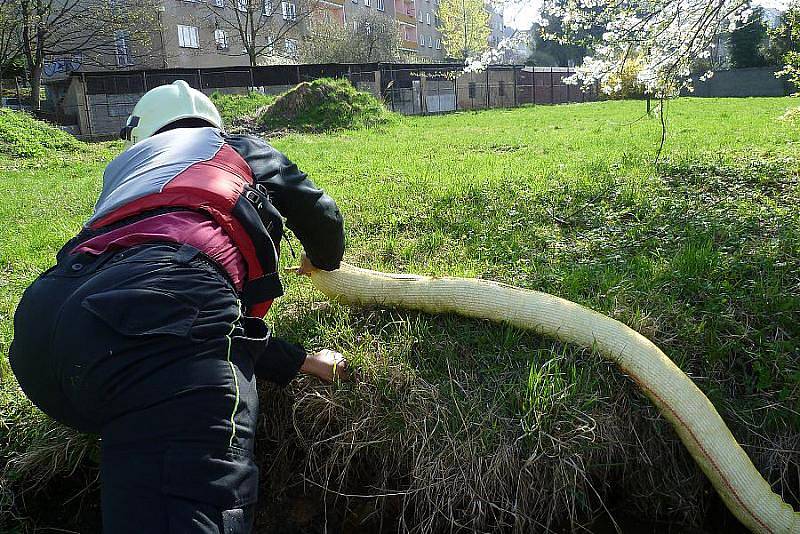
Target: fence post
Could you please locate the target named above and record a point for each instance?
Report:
(19, 93)
(552, 88)
(422, 94)
(514, 72)
(488, 90)
(199, 80)
(86, 103)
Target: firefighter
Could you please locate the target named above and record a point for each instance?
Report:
(149, 330)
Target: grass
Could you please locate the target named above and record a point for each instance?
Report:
(236, 108)
(482, 426)
(324, 105)
(22, 136)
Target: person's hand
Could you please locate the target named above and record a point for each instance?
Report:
(305, 268)
(327, 365)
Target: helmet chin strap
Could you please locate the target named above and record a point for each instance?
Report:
(127, 130)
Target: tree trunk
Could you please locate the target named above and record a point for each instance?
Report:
(36, 87)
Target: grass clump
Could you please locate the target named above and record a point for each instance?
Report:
(324, 105)
(22, 136)
(239, 109)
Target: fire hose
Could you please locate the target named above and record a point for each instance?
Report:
(745, 492)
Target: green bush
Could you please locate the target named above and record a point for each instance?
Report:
(324, 105)
(22, 136)
(235, 108)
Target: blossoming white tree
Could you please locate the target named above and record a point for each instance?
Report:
(664, 37)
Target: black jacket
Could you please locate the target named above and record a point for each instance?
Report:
(310, 214)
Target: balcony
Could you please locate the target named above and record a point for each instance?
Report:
(405, 11)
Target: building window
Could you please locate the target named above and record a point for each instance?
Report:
(379, 5)
(430, 42)
(367, 3)
(270, 45)
(289, 12)
(123, 49)
(472, 89)
(221, 38)
(438, 44)
(422, 40)
(421, 19)
(268, 8)
(428, 19)
(219, 3)
(188, 37)
(290, 47)
(241, 5)
(367, 28)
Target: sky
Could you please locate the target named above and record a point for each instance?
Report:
(520, 15)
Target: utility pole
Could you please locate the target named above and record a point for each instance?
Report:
(464, 14)
(159, 11)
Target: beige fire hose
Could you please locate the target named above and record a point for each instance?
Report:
(694, 418)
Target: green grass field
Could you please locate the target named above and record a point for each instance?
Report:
(458, 422)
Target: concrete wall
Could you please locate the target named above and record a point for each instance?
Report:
(742, 83)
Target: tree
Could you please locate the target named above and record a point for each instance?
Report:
(464, 26)
(372, 37)
(99, 32)
(666, 36)
(259, 24)
(9, 40)
(786, 44)
(563, 45)
(747, 41)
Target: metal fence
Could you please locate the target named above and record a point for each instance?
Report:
(96, 105)
(431, 89)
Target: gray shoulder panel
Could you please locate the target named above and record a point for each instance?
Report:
(149, 165)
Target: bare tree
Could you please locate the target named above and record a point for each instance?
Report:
(98, 32)
(259, 25)
(9, 38)
(372, 37)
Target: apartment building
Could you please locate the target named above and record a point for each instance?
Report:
(203, 33)
(497, 28)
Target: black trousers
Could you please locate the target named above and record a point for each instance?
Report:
(148, 347)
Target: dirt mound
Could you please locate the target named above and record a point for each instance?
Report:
(324, 105)
(22, 136)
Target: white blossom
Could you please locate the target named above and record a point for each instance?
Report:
(664, 37)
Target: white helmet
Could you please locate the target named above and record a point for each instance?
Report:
(164, 105)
